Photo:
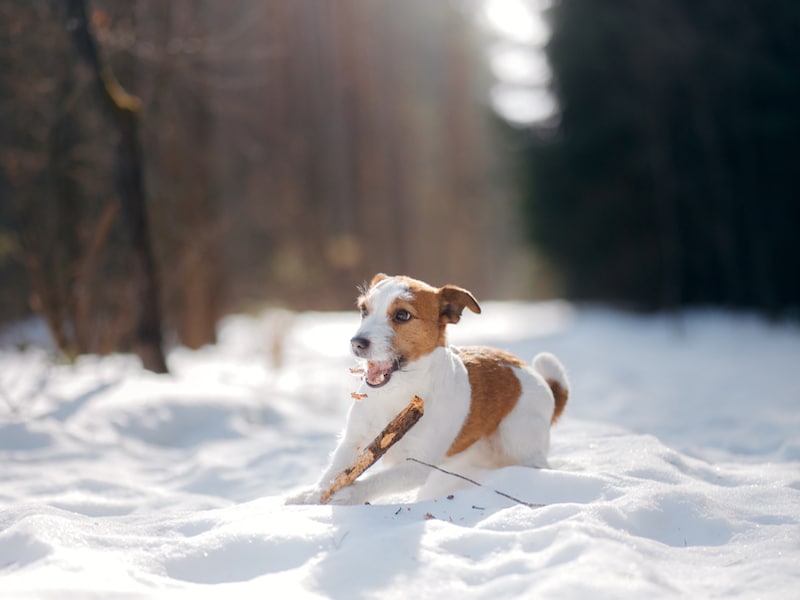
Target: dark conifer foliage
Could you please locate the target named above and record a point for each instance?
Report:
(670, 177)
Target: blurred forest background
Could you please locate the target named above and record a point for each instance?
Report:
(163, 164)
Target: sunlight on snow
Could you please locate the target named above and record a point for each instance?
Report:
(118, 482)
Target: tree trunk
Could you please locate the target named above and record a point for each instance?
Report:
(123, 108)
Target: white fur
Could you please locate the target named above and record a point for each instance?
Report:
(549, 367)
(375, 326)
(441, 380)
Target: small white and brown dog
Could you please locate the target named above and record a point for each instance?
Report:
(484, 408)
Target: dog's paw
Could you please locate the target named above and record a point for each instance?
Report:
(308, 496)
(352, 494)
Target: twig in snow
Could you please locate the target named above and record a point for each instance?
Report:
(472, 481)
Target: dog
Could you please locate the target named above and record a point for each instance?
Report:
(484, 408)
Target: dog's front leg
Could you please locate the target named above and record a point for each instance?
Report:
(428, 442)
(345, 454)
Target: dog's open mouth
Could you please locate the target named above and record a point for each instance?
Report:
(379, 372)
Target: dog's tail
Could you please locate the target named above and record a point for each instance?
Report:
(549, 367)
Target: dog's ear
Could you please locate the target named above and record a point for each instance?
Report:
(377, 279)
(453, 300)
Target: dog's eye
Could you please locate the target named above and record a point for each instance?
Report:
(364, 311)
(402, 316)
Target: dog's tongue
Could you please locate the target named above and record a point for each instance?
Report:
(377, 372)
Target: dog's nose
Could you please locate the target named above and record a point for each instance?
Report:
(359, 344)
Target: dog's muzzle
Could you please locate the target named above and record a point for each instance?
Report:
(378, 372)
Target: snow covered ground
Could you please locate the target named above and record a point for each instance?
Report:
(675, 470)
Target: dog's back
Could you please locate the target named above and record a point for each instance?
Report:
(512, 407)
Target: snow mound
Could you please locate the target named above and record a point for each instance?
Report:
(674, 469)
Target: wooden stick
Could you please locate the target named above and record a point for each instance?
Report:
(499, 493)
(387, 438)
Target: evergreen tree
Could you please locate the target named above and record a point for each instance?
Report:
(669, 178)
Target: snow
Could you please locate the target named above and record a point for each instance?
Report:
(674, 471)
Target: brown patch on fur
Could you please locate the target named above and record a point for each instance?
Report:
(377, 279)
(495, 392)
(453, 302)
(423, 333)
(432, 309)
(560, 394)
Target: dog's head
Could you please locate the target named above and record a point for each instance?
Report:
(403, 319)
